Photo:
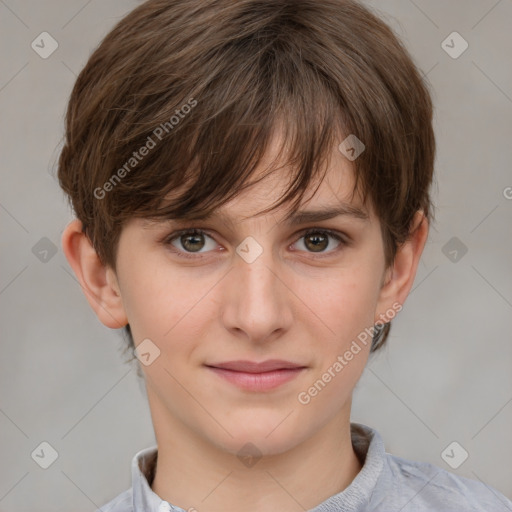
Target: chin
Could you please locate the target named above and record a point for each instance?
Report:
(261, 437)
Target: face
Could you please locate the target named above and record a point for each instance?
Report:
(254, 288)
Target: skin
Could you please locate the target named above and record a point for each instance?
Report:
(216, 307)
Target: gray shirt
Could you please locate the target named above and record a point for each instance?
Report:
(386, 483)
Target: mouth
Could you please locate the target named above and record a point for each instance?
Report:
(253, 376)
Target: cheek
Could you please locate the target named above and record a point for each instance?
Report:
(345, 303)
(346, 307)
(150, 296)
(164, 304)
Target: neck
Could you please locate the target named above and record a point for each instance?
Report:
(192, 473)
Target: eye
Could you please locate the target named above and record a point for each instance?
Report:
(316, 240)
(188, 242)
(191, 240)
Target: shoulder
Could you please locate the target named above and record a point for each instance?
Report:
(421, 486)
(121, 503)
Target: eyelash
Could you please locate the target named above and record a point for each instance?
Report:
(196, 231)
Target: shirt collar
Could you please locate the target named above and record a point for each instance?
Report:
(367, 443)
(369, 448)
(143, 472)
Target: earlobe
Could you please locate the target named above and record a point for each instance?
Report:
(400, 277)
(97, 281)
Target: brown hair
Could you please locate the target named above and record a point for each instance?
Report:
(202, 86)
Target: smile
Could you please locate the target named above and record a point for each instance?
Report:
(254, 380)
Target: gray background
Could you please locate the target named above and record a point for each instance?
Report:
(446, 373)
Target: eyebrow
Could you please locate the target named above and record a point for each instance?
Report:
(305, 216)
(298, 217)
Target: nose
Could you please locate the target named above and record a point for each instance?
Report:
(257, 302)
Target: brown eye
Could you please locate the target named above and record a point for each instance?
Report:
(319, 240)
(190, 241)
(193, 243)
(316, 242)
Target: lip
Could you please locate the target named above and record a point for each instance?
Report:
(253, 376)
(254, 367)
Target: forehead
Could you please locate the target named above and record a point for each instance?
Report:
(329, 194)
(332, 198)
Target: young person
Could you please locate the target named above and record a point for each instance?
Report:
(251, 187)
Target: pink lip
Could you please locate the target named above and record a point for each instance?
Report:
(253, 367)
(257, 376)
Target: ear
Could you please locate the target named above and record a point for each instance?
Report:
(98, 282)
(400, 276)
